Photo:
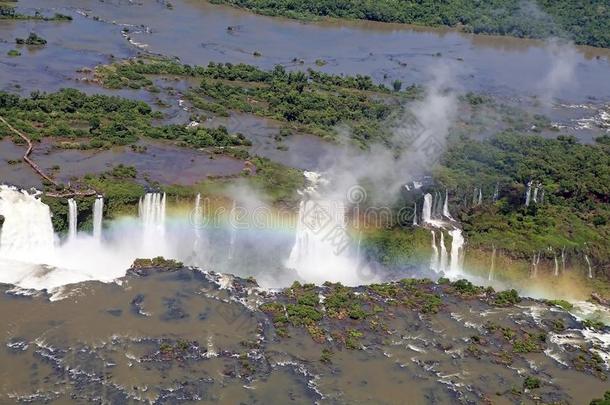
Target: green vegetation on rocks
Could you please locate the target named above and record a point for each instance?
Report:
(32, 39)
(156, 262)
(531, 383)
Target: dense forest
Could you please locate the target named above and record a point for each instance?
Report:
(571, 209)
(585, 22)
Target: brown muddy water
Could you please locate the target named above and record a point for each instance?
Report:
(162, 162)
(185, 335)
(520, 72)
(196, 32)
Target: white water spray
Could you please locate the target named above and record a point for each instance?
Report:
(152, 215)
(446, 212)
(426, 214)
(27, 232)
(320, 255)
(492, 266)
(72, 219)
(152, 212)
(200, 251)
(434, 258)
(457, 244)
(444, 258)
(556, 271)
(98, 217)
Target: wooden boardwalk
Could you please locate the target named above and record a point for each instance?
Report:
(40, 172)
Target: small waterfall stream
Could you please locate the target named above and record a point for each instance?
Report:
(98, 217)
(427, 209)
(492, 266)
(444, 258)
(72, 219)
(590, 274)
(457, 244)
(434, 259)
(446, 212)
(528, 193)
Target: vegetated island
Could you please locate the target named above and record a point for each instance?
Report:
(9, 13)
(584, 22)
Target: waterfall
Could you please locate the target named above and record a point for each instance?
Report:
(438, 205)
(152, 215)
(542, 197)
(444, 259)
(475, 196)
(434, 258)
(72, 219)
(98, 216)
(589, 266)
(446, 212)
(535, 196)
(426, 214)
(480, 201)
(492, 266)
(414, 214)
(457, 244)
(27, 233)
(152, 211)
(535, 262)
(528, 193)
(320, 255)
(556, 271)
(321, 249)
(563, 260)
(197, 214)
(496, 193)
(152, 218)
